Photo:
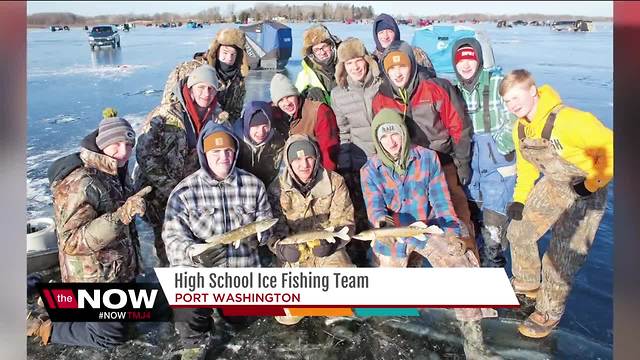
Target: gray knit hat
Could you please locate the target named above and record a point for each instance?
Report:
(114, 129)
(281, 87)
(387, 129)
(204, 74)
(301, 148)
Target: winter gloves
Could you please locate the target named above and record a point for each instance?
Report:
(135, 205)
(464, 173)
(223, 117)
(315, 94)
(514, 211)
(581, 190)
(293, 253)
(456, 246)
(215, 256)
(322, 247)
(288, 253)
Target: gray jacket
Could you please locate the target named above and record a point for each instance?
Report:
(352, 107)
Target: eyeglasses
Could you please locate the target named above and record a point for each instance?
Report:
(323, 49)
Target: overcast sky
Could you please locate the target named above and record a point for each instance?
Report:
(92, 8)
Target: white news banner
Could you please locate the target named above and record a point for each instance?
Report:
(349, 287)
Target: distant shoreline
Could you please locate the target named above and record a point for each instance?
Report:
(307, 13)
(82, 25)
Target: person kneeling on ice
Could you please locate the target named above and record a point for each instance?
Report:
(309, 201)
(214, 200)
(573, 151)
(404, 184)
(435, 115)
(94, 207)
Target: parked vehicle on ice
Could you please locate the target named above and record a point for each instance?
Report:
(103, 35)
(573, 25)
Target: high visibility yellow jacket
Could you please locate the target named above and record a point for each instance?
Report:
(308, 78)
(578, 136)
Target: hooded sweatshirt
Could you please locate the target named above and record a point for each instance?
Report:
(201, 206)
(501, 120)
(263, 160)
(388, 116)
(418, 192)
(422, 59)
(431, 108)
(391, 22)
(578, 137)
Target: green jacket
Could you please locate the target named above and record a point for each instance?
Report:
(501, 120)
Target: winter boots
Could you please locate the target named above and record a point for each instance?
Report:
(39, 326)
(527, 290)
(538, 325)
(474, 348)
(289, 320)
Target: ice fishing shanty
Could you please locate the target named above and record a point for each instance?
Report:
(268, 44)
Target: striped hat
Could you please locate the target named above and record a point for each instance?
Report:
(114, 129)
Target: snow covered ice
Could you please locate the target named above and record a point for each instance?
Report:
(69, 85)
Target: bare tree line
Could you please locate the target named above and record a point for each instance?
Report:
(263, 11)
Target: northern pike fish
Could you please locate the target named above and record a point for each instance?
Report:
(326, 234)
(417, 230)
(234, 236)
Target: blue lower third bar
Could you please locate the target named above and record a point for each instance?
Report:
(386, 312)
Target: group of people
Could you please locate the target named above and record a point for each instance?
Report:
(362, 140)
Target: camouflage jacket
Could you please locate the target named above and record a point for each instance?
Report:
(166, 153)
(230, 99)
(94, 245)
(326, 204)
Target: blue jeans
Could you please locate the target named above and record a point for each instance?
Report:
(102, 335)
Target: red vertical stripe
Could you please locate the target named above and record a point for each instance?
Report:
(49, 298)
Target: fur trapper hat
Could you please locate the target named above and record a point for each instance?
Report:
(352, 48)
(313, 36)
(230, 37)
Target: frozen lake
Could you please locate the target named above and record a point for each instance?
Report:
(68, 86)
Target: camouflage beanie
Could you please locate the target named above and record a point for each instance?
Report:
(114, 129)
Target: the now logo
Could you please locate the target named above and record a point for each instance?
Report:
(111, 299)
(131, 297)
